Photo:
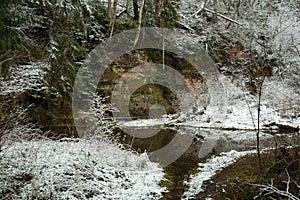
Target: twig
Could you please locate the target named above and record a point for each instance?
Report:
(288, 181)
(163, 55)
(272, 189)
(222, 16)
(201, 8)
(258, 122)
(282, 30)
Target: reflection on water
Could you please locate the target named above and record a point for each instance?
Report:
(175, 149)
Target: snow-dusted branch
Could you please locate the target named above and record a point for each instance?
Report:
(270, 189)
(202, 7)
(121, 12)
(4, 61)
(222, 16)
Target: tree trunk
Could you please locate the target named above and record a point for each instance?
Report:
(135, 9)
(109, 9)
(258, 123)
(157, 7)
(113, 17)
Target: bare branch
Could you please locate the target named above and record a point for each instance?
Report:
(287, 182)
(295, 46)
(269, 189)
(202, 4)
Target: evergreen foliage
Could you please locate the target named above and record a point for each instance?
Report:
(59, 33)
(8, 23)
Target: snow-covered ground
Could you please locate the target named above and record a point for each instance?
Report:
(279, 104)
(209, 169)
(144, 122)
(76, 169)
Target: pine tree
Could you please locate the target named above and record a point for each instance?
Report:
(8, 35)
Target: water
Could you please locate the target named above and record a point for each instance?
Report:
(177, 173)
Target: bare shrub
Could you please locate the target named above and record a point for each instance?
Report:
(14, 126)
(99, 114)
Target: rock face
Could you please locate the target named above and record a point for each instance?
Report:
(124, 70)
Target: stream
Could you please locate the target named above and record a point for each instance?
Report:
(204, 144)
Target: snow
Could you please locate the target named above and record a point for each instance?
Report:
(24, 78)
(144, 122)
(78, 169)
(82, 169)
(209, 169)
(280, 104)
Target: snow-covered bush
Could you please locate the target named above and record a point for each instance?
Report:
(99, 118)
(24, 78)
(76, 169)
(14, 126)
